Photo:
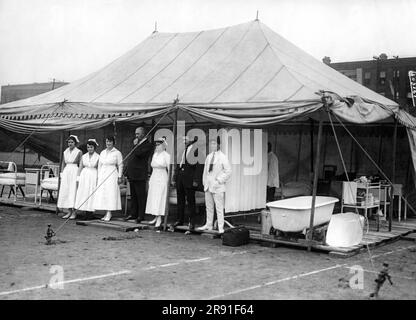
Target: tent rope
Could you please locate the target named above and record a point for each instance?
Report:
(372, 161)
(349, 185)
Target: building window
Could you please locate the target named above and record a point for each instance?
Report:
(367, 78)
(382, 77)
(352, 74)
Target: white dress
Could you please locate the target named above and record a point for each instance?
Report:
(68, 187)
(158, 184)
(110, 168)
(87, 183)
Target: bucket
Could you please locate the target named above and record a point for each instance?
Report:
(345, 230)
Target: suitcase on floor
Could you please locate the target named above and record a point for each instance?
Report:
(235, 237)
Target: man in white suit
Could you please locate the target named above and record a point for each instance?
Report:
(217, 171)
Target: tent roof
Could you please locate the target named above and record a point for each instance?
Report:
(245, 72)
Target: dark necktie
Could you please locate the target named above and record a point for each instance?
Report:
(211, 164)
(183, 161)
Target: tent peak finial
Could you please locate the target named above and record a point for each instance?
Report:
(257, 16)
(154, 31)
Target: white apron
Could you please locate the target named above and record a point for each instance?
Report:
(68, 186)
(87, 183)
(110, 168)
(158, 184)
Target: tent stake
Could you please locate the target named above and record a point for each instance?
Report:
(315, 184)
(393, 174)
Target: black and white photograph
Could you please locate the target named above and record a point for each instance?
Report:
(207, 155)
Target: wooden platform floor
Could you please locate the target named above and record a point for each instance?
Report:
(115, 223)
(404, 229)
(211, 233)
(29, 203)
(371, 238)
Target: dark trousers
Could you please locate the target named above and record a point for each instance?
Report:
(270, 193)
(184, 195)
(138, 199)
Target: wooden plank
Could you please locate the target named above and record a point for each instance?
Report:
(210, 233)
(409, 237)
(118, 225)
(304, 244)
(101, 225)
(381, 236)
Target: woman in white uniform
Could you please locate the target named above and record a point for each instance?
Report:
(68, 186)
(158, 183)
(87, 179)
(110, 170)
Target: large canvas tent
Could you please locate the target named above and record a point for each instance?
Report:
(239, 76)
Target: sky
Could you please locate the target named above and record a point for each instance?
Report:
(41, 40)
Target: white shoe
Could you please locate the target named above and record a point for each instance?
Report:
(107, 217)
(150, 222)
(203, 228)
(66, 216)
(73, 216)
(158, 221)
(221, 231)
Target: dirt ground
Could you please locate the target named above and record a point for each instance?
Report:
(150, 265)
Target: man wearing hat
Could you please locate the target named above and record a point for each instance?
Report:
(187, 182)
(137, 174)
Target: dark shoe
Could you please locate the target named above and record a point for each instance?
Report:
(191, 226)
(177, 223)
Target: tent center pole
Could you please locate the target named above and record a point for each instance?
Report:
(61, 152)
(24, 156)
(299, 151)
(311, 155)
(315, 184)
(171, 171)
(393, 174)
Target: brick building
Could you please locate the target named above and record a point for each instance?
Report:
(11, 93)
(388, 77)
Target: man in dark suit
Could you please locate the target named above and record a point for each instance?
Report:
(137, 174)
(187, 182)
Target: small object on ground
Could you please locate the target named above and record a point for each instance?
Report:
(381, 278)
(136, 230)
(343, 283)
(123, 237)
(49, 235)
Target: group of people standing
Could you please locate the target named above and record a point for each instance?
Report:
(91, 182)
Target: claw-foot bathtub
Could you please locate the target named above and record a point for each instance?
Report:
(293, 215)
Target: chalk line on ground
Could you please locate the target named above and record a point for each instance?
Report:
(66, 282)
(275, 282)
